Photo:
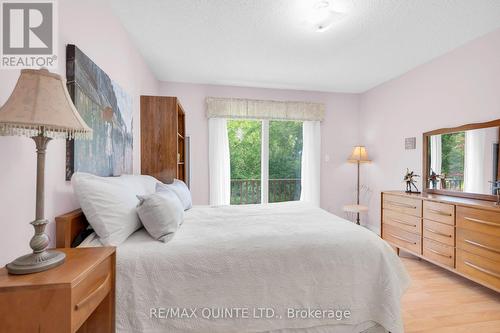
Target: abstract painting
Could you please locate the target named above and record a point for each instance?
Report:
(107, 109)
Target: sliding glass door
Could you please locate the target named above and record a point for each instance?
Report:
(245, 137)
(285, 160)
(265, 160)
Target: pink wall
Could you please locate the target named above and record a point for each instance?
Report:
(339, 132)
(460, 87)
(93, 28)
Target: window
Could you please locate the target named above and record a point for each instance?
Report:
(265, 159)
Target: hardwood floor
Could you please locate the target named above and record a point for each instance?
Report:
(441, 302)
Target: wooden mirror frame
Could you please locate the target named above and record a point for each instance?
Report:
(425, 171)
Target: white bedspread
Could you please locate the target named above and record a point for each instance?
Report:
(277, 256)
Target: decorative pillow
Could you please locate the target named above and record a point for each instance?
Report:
(109, 203)
(161, 214)
(180, 189)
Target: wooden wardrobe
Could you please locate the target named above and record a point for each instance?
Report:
(163, 142)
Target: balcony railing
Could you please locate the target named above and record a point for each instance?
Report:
(248, 191)
(450, 184)
(453, 184)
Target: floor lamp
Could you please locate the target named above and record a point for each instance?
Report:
(40, 108)
(359, 155)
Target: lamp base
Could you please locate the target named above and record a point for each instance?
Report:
(36, 262)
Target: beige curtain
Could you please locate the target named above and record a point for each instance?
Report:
(259, 109)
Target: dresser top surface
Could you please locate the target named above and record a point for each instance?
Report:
(78, 263)
(474, 203)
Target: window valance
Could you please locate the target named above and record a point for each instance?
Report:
(261, 109)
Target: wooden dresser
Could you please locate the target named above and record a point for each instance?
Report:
(163, 141)
(459, 234)
(77, 296)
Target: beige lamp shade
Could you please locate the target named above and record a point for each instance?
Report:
(359, 154)
(40, 105)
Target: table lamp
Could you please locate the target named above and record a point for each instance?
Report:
(359, 155)
(40, 108)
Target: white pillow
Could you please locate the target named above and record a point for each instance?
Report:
(142, 184)
(179, 188)
(161, 214)
(109, 203)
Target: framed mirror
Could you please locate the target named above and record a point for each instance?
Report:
(462, 161)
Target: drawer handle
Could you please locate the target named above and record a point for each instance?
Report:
(482, 246)
(400, 204)
(437, 232)
(484, 270)
(439, 253)
(482, 221)
(403, 222)
(92, 294)
(435, 211)
(403, 239)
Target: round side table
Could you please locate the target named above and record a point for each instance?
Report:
(353, 211)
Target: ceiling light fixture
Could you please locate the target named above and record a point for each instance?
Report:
(322, 16)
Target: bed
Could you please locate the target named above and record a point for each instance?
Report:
(290, 267)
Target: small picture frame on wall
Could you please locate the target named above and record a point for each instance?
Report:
(411, 143)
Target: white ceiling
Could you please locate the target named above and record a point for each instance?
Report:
(267, 43)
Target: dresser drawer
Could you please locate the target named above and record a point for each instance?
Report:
(403, 204)
(478, 268)
(89, 292)
(438, 252)
(403, 221)
(403, 239)
(439, 232)
(439, 212)
(484, 221)
(484, 245)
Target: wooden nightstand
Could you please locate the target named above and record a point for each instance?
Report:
(78, 296)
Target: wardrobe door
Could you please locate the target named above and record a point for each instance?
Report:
(159, 137)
